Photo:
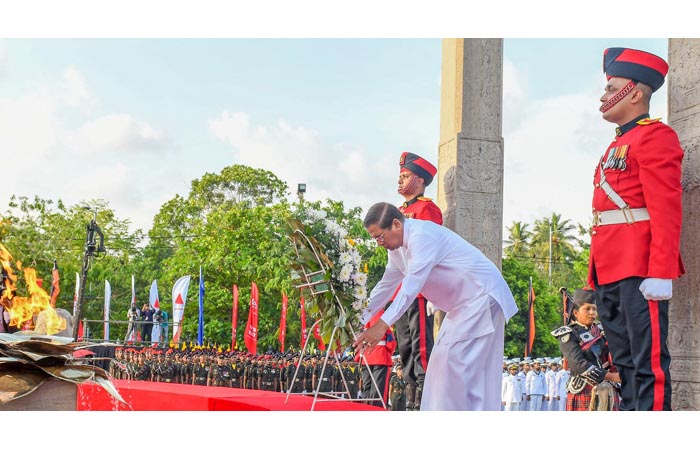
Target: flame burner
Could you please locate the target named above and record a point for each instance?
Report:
(25, 310)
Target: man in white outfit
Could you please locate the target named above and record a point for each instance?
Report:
(512, 390)
(465, 367)
(562, 378)
(525, 369)
(552, 392)
(535, 387)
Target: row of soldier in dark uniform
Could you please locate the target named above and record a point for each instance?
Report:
(236, 369)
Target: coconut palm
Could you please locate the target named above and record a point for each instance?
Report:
(552, 234)
(518, 242)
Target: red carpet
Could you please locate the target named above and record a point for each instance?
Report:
(148, 396)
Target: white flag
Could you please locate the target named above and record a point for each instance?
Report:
(179, 298)
(155, 303)
(77, 294)
(133, 290)
(108, 299)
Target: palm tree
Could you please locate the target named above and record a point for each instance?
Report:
(518, 242)
(553, 243)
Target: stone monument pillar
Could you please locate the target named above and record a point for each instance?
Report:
(470, 156)
(684, 317)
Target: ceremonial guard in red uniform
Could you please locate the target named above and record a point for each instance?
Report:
(635, 240)
(414, 330)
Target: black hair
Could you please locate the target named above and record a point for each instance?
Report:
(383, 215)
(581, 297)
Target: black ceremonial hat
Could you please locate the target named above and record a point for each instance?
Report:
(418, 165)
(636, 65)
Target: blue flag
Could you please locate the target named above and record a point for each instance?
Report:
(200, 331)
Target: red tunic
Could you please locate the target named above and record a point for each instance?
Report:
(380, 354)
(422, 208)
(647, 175)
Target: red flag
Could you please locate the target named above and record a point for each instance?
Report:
(234, 317)
(317, 335)
(283, 322)
(54, 285)
(251, 329)
(531, 319)
(80, 331)
(302, 312)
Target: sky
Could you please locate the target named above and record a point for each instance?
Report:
(130, 101)
(134, 121)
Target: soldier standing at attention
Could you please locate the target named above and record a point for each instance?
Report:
(414, 329)
(298, 385)
(397, 390)
(309, 364)
(200, 371)
(635, 240)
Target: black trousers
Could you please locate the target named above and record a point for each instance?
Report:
(414, 336)
(637, 329)
(381, 375)
(146, 331)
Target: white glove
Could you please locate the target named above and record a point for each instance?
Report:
(430, 308)
(656, 288)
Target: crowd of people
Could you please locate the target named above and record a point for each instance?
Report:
(538, 384)
(147, 324)
(534, 384)
(272, 371)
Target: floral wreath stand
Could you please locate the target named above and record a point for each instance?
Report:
(316, 283)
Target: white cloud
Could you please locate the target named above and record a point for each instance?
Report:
(29, 127)
(109, 157)
(115, 133)
(3, 59)
(552, 152)
(550, 158)
(74, 91)
(513, 95)
(298, 155)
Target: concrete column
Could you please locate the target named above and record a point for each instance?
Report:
(684, 318)
(470, 156)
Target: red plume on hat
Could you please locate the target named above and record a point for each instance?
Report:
(421, 167)
(636, 65)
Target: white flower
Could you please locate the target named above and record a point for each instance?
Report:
(357, 305)
(345, 272)
(361, 292)
(341, 232)
(356, 258)
(345, 258)
(316, 215)
(360, 278)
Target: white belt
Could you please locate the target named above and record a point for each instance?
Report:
(615, 216)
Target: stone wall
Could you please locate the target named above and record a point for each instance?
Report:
(684, 318)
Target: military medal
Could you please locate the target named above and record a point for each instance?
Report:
(616, 159)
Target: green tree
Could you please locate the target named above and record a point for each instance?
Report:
(553, 235)
(517, 274)
(518, 241)
(40, 231)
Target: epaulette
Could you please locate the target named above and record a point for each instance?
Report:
(648, 121)
(562, 331)
(425, 199)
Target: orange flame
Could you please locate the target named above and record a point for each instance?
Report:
(23, 309)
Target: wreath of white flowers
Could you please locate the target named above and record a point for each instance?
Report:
(324, 249)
